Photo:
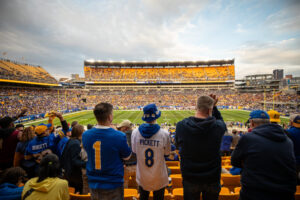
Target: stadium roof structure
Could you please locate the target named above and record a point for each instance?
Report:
(154, 64)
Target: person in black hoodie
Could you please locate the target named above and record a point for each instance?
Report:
(267, 161)
(199, 139)
(71, 161)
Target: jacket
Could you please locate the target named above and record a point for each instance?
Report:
(70, 160)
(10, 191)
(50, 188)
(132, 159)
(267, 161)
(294, 134)
(199, 141)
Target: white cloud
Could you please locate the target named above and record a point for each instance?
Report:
(263, 58)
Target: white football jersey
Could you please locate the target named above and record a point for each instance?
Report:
(151, 171)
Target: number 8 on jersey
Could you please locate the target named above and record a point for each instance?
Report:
(149, 154)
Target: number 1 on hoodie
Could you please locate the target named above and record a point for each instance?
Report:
(97, 147)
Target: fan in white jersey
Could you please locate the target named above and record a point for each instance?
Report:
(151, 144)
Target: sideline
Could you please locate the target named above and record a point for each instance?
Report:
(39, 120)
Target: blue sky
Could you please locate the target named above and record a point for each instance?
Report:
(59, 35)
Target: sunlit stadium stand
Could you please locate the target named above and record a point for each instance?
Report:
(159, 72)
(11, 72)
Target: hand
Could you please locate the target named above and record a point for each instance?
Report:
(59, 115)
(23, 111)
(214, 97)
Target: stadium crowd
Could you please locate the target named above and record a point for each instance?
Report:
(159, 74)
(41, 100)
(23, 72)
(48, 162)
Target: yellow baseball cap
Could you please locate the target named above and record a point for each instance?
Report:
(274, 116)
(41, 128)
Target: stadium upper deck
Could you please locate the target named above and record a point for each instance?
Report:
(160, 72)
(13, 72)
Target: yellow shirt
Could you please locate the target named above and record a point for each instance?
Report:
(48, 189)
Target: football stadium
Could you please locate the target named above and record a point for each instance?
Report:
(168, 123)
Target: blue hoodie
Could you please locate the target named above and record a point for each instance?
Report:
(148, 130)
(294, 134)
(10, 191)
(268, 163)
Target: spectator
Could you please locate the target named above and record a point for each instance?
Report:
(89, 126)
(173, 155)
(8, 140)
(235, 138)
(199, 139)
(106, 149)
(47, 185)
(9, 186)
(40, 143)
(21, 146)
(151, 144)
(294, 134)
(226, 143)
(46, 139)
(130, 165)
(27, 165)
(267, 161)
(71, 161)
(20, 129)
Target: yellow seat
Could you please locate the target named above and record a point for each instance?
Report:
(231, 181)
(176, 180)
(172, 163)
(175, 170)
(130, 194)
(178, 193)
(71, 190)
(237, 190)
(229, 196)
(80, 197)
(224, 190)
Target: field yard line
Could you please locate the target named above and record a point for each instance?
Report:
(31, 122)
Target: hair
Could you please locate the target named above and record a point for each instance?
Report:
(77, 131)
(28, 134)
(102, 111)
(13, 175)
(6, 122)
(89, 126)
(19, 125)
(49, 167)
(234, 131)
(74, 123)
(259, 121)
(205, 103)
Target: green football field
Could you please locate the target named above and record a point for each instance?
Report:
(87, 117)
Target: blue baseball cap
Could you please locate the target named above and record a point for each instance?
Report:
(151, 113)
(259, 114)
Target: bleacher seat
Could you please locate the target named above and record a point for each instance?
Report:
(176, 180)
(231, 181)
(80, 196)
(173, 163)
(175, 170)
(130, 194)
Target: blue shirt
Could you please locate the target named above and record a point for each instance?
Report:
(39, 144)
(10, 191)
(61, 146)
(106, 148)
